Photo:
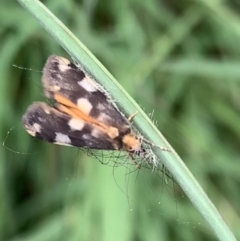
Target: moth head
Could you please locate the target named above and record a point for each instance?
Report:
(131, 143)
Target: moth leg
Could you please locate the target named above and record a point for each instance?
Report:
(132, 116)
(153, 145)
(134, 161)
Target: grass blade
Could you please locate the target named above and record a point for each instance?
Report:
(171, 160)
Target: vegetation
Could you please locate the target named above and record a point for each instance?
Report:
(179, 60)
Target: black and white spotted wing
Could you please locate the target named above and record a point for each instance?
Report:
(82, 116)
(50, 125)
(63, 77)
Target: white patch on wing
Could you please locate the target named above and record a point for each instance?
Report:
(46, 110)
(62, 144)
(103, 118)
(62, 139)
(84, 105)
(87, 84)
(29, 131)
(96, 133)
(63, 64)
(37, 127)
(76, 124)
(86, 137)
(101, 107)
(55, 88)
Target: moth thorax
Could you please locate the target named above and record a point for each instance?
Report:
(131, 143)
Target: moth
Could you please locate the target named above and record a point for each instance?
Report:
(83, 115)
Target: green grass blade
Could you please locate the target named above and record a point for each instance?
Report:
(171, 160)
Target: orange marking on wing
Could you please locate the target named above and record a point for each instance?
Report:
(73, 110)
(64, 101)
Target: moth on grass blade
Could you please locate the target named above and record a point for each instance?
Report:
(83, 114)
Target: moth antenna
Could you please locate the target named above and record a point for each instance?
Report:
(134, 161)
(29, 69)
(153, 145)
(132, 116)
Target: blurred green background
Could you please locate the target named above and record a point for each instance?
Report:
(178, 58)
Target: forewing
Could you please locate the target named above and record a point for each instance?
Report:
(63, 77)
(48, 124)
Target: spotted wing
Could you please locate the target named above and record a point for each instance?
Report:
(49, 124)
(61, 77)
